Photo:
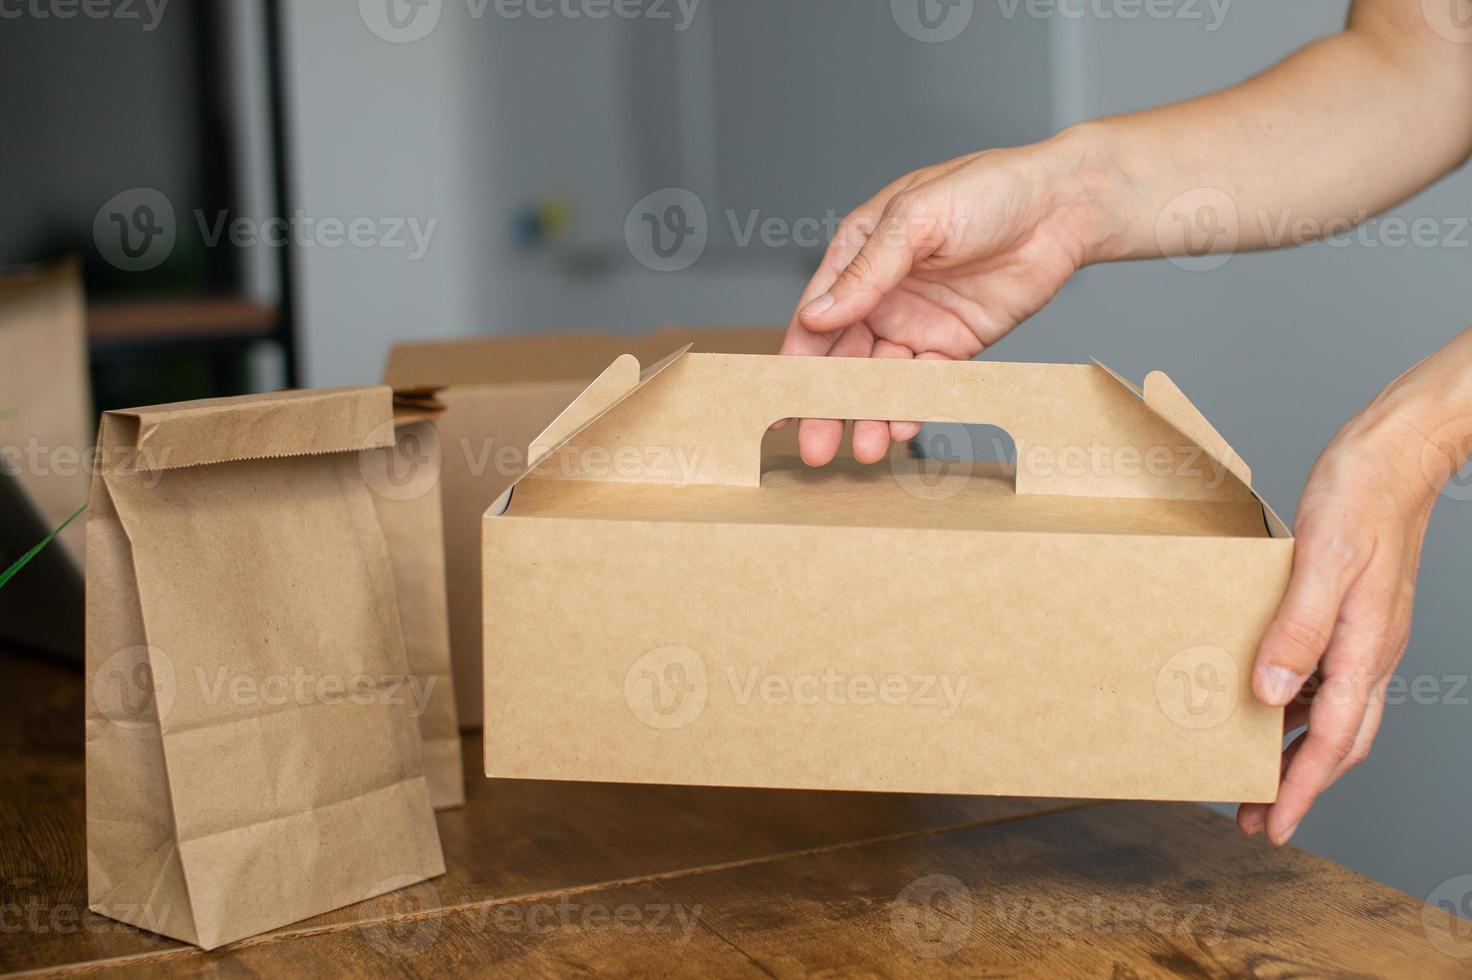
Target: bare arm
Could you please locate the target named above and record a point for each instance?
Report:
(1340, 130)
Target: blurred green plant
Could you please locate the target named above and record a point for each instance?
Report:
(24, 559)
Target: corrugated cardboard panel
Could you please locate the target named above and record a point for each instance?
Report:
(936, 661)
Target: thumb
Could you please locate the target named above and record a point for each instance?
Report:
(1300, 632)
(883, 262)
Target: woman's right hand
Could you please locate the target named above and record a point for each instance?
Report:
(943, 263)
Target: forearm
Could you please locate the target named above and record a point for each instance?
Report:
(1339, 131)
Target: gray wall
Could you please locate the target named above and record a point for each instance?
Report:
(486, 114)
(1278, 350)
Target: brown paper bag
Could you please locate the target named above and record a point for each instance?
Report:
(45, 438)
(252, 753)
(405, 479)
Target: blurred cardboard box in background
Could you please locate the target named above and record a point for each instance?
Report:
(498, 393)
(46, 437)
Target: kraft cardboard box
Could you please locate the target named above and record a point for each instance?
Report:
(1079, 625)
(498, 393)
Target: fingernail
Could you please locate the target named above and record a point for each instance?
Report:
(819, 306)
(1287, 835)
(1278, 685)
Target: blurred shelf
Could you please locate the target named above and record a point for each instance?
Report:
(206, 318)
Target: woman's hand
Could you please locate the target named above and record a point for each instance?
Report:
(1346, 617)
(944, 262)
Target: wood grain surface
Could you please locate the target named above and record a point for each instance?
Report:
(581, 878)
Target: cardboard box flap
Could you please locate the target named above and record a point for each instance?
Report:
(1171, 404)
(220, 430)
(618, 381)
(1162, 396)
(1077, 431)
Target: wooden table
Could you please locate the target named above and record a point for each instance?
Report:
(558, 878)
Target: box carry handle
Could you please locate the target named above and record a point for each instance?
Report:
(1077, 429)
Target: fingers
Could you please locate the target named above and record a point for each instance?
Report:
(801, 341)
(1342, 723)
(901, 237)
(1295, 641)
(871, 439)
(1253, 817)
(818, 439)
